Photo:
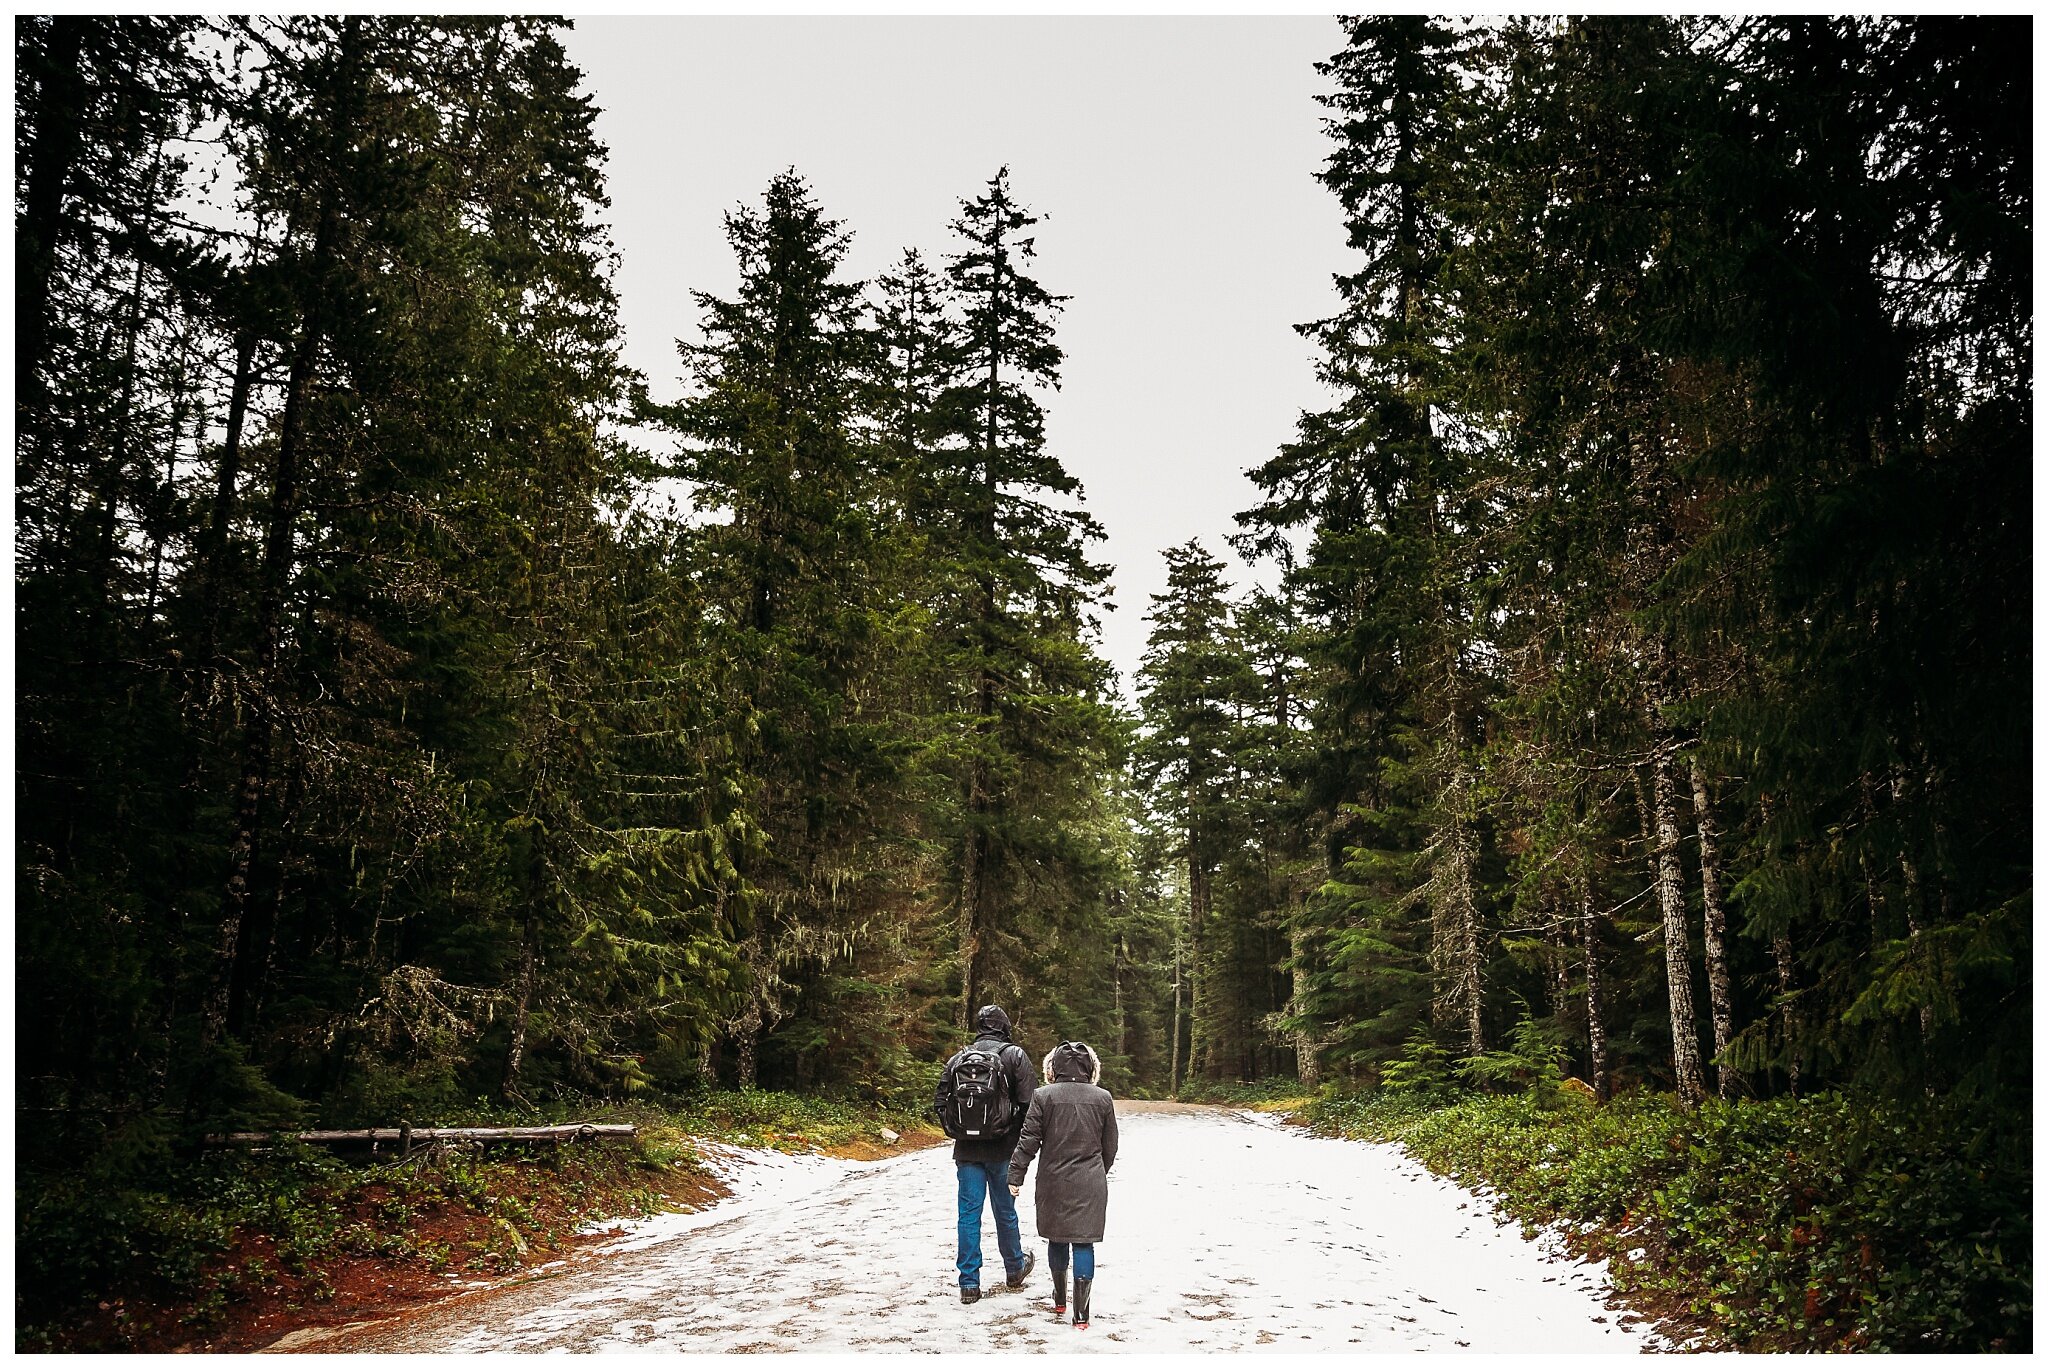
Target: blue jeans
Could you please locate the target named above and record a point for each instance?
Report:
(1084, 1258)
(990, 1179)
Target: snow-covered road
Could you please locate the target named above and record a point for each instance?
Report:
(1226, 1232)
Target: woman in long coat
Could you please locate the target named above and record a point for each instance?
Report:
(1072, 1125)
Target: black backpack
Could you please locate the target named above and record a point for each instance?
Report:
(978, 1108)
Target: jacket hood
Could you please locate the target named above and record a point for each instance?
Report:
(1073, 1061)
(992, 1021)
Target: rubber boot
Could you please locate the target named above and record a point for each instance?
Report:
(1082, 1288)
(1059, 1292)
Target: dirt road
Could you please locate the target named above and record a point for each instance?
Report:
(1226, 1232)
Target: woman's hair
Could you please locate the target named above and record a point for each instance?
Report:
(1082, 1055)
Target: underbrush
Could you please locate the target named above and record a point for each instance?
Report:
(1820, 1223)
(791, 1121)
(153, 1249)
(1262, 1094)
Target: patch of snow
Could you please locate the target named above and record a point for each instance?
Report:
(1226, 1232)
(756, 1177)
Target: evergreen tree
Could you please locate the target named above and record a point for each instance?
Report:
(1008, 549)
(773, 450)
(1190, 686)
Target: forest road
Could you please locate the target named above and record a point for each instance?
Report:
(1227, 1231)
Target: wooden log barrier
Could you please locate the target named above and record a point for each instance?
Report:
(407, 1137)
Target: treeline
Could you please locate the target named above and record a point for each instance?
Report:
(1649, 689)
(388, 741)
(411, 711)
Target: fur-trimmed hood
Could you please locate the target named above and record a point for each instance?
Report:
(1079, 1054)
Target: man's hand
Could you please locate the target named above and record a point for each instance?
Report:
(1015, 1189)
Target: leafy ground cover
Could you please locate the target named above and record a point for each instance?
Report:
(1262, 1095)
(227, 1250)
(1827, 1223)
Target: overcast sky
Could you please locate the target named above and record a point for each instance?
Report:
(1173, 162)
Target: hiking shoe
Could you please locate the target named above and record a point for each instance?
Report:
(970, 1295)
(1016, 1280)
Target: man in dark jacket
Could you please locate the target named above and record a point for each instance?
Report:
(983, 1163)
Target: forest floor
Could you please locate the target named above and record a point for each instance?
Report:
(1228, 1230)
(392, 1242)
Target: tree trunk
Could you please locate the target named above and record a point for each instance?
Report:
(1454, 930)
(1173, 1058)
(974, 872)
(747, 1038)
(277, 546)
(515, 1057)
(1556, 957)
(1468, 955)
(1596, 1021)
(1116, 970)
(1720, 992)
(1880, 932)
(1911, 874)
(255, 776)
(1307, 1068)
(59, 125)
(1685, 1049)
(1199, 1049)
(165, 494)
(249, 977)
(1781, 952)
(974, 864)
(213, 551)
(114, 466)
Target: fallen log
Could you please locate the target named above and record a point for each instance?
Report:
(407, 1137)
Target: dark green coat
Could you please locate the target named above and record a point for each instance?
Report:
(1071, 1130)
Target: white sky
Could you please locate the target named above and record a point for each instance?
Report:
(1173, 162)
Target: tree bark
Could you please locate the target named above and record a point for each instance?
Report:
(1596, 1021)
(1720, 991)
(1911, 874)
(1788, 984)
(974, 868)
(515, 1057)
(1667, 873)
(1468, 925)
(1307, 1068)
(59, 126)
(182, 400)
(747, 1038)
(1173, 1058)
(1556, 957)
(1199, 1051)
(1454, 930)
(213, 551)
(1116, 970)
(114, 465)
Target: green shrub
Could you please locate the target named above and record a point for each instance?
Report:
(1423, 1069)
(1826, 1223)
(1279, 1089)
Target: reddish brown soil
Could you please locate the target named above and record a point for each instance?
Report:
(347, 1288)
